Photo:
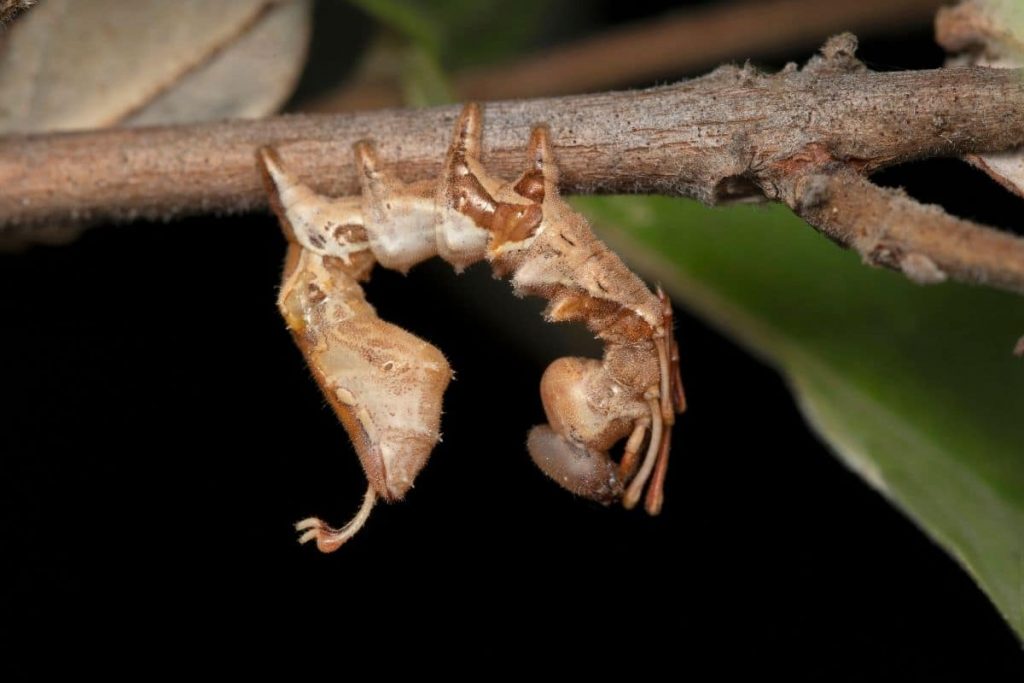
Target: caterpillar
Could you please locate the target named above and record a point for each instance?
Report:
(386, 385)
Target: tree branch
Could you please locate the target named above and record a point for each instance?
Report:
(733, 134)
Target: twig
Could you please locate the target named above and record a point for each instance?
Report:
(798, 136)
(890, 229)
(666, 46)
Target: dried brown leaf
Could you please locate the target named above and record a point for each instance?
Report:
(988, 33)
(1006, 168)
(251, 79)
(69, 64)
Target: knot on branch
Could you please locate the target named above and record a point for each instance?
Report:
(811, 191)
(878, 250)
(838, 54)
(921, 269)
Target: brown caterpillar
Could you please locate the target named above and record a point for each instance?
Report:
(386, 385)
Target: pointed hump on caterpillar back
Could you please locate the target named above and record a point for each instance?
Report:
(540, 179)
(323, 225)
(517, 223)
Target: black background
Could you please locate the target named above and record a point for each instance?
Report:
(161, 434)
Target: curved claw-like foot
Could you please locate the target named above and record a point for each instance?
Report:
(328, 539)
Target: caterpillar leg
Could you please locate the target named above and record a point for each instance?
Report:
(630, 455)
(678, 395)
(655, 449)
(673, 401)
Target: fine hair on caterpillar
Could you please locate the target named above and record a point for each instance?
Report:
(387, 385)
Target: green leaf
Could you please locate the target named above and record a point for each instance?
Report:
(442, 34)
(915, 388)
(424, 83)
(421, 30)
(412, 20)
(468, 32)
